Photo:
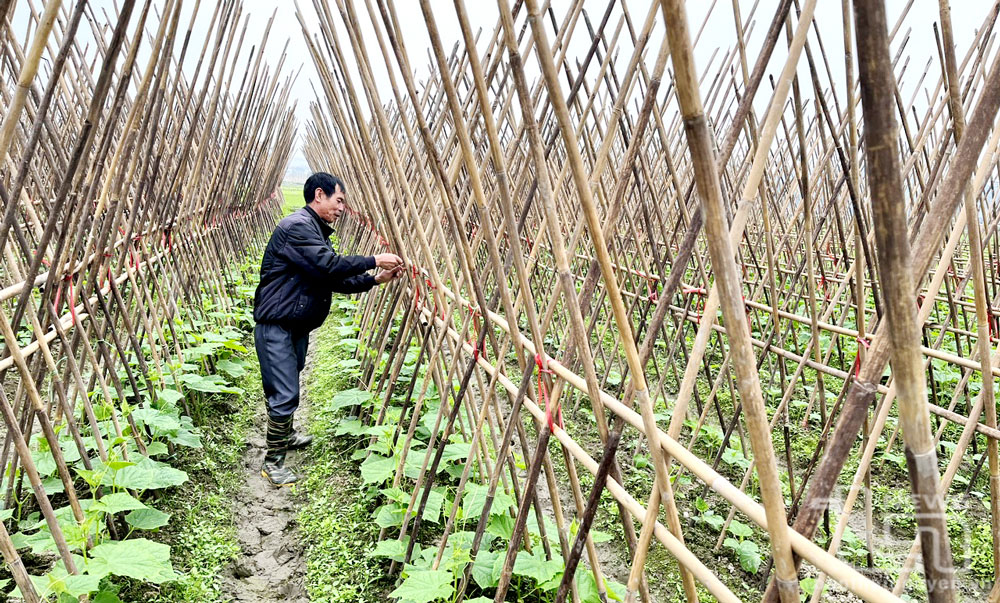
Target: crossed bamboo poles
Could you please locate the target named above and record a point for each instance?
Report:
(116, 215)
(440, 195)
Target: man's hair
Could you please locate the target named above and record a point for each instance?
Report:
(327, 182)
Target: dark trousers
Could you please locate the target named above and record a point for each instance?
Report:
(282, 356)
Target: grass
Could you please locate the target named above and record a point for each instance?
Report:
(335, 517)
(293, 198)
(202, 531)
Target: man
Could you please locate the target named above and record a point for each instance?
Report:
(299, 272)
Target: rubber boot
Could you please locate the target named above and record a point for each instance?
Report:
(297, 440)
(278, 432)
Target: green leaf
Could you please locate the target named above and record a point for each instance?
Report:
(44, 463)
(232, 345)
(352, 427)
(389, 516)
(117, 502)
(749, 555)
(733, 456)
(537, 567)
(106, 597)
(41, 586)
(395, 494)
(414, 460)
(60, 581)
(482, 569)
(350, 397)
(139, 558)
(423, 586)
(53, 485)
(392, 548)
(501, 526)
(458, 552)
(77, 586)
(349, 363)
(595, 535)
(587, 588)
(740, 530)
(349, 344)
(344, 331)
(156, 448)
(185, 437)
(201, 351)
(747, 552)
(713, 520)
(169, 396)
(808, 586)
(475, 498)
(233, 369)
(147, 519)
(432, 511)
(376, 469)
(157, 420)
(148, 474)
(455, 452)
(211, 384)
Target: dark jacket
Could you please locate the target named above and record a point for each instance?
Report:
(300, 270)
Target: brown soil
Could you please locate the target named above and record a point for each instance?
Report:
(271, 566)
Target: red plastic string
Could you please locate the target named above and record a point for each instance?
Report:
(544, 391)
(167, 239)
(474, 312)
(699, 306)
(651, 287)
(72, 301)
(857, 358)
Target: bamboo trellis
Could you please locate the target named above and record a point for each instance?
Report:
(553, 226)
(130, 189)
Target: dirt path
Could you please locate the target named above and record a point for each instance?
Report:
(271, 564)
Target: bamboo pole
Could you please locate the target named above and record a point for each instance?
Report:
(696, 129)
(893, 254)
(977, 268)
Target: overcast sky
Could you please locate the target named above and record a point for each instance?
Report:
(718, 35)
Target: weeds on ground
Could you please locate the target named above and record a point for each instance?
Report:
(335, 518)
(202, 533)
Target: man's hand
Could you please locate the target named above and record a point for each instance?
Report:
(385, 276)
(388, 261)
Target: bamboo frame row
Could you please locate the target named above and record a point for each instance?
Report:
(131, 189)
(466, 175)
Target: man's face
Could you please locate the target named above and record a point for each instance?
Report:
(329, 207)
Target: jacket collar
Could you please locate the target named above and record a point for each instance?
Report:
(323, 226)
